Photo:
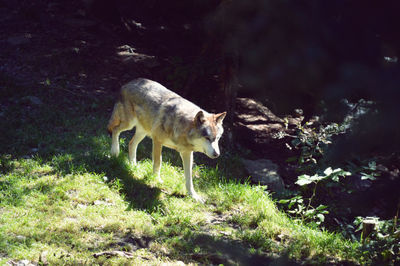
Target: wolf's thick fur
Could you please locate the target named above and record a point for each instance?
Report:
(169, 120)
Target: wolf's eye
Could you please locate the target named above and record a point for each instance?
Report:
(205, 133)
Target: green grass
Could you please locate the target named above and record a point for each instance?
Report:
(63, 198)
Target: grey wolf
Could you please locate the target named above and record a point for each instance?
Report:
(169, 120)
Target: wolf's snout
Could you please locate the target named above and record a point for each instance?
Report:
(215, 154)
(212, 151)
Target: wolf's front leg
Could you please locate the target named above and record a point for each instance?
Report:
(187, 159)
(157, 148)
(115, 143)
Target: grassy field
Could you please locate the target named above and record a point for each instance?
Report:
(63, 200)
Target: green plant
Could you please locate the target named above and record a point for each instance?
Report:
(312, 142)
(313, 138)
(369, 172)
(303, 213)
(382, 245)
(306, 211)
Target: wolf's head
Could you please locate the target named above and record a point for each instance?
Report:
(208, 130)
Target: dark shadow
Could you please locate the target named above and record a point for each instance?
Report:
(15, 196)
(224, 251)
(135, 191)
(6, 165)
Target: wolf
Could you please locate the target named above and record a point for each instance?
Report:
(169, 120)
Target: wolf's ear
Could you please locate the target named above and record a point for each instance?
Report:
(219, 117)
(199, 119)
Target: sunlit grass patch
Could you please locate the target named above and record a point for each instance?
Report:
(74, 215)
(73, 212)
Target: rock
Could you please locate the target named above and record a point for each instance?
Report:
(263, 133)
(255, 108)
(265, 172)
(260, 130)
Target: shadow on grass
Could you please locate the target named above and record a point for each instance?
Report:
(73, 160)
(223, 251)
(116, 170)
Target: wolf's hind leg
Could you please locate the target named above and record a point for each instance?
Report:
(136, 139)
(157, 148)
(115, 136)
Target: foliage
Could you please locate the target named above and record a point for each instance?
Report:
(316, 144)
(313, 139)
(306, 212)
(312, 142)
(367, 172)
(329, 173)
(297, 208)
(383, 244)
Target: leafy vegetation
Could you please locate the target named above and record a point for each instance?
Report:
(307, 212)
(382, 243)
(320, 189)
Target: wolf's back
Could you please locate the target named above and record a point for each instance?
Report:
(144, 92)
(150, 103)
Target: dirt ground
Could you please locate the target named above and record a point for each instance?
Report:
(54, 44)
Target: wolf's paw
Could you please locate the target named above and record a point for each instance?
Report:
(114, 151)
(197, 197)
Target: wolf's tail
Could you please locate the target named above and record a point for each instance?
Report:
(115, 119)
